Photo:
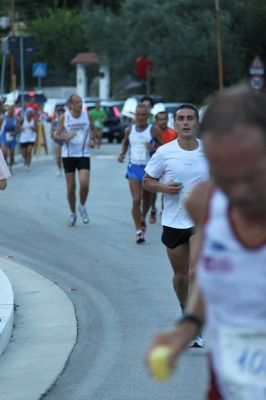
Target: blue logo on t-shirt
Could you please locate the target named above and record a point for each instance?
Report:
(216, 246)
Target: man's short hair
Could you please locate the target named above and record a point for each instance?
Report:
(160, 113)
(190, 107)
(147, 98)
(142, 105)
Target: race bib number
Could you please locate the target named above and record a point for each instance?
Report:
(78, 138)
(9, 136)
(243, 353)
(139, 152)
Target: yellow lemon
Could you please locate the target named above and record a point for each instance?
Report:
(159, 363)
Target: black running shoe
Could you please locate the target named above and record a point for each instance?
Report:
(140, 237)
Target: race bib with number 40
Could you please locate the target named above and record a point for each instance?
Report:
(243, 352)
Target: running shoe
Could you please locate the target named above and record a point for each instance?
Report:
(72, 220)
(83, 214)
(153, 216)
(140, 237)
(197, 342)
(143, 226)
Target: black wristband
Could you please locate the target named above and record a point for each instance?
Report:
(192, 318)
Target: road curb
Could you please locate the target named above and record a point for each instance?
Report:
(44, 334)
(6, 311)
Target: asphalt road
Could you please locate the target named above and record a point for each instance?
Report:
(123, 291)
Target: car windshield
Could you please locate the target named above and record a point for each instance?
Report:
(38, 98)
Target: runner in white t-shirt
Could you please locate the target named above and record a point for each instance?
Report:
(138, 140)
(230, 212)
(76, 132)
(174, 170)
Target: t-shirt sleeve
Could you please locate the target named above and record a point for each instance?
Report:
(155, 166)
(4, 171)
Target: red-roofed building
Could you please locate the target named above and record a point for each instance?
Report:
(81, 60)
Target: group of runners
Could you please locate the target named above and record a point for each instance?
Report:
(14, 123)
(213, 228)
(228, 294)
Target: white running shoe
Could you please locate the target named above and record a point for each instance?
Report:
(140, 237)
(72, 220)
(83, 214)
(197, 342)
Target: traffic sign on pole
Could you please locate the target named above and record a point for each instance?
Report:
(39, 70)
(256, 67)
(28, 44)
(256, 82)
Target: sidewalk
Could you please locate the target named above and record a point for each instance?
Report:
(44, 333)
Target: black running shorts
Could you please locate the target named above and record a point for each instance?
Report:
(72, 163)
(26, 144)
(173, 237)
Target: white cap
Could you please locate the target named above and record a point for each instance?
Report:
(157, 108)
(129, 108)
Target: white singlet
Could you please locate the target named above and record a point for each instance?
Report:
(190, 167)
(78, 146)
(232, 277)
(27, 134)
(138, 152)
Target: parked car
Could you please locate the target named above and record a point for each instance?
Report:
(171, 109)
(39, 97)
(114, 126)
(51, 103)
(15, 97)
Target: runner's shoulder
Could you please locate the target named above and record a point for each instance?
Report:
(128, 129)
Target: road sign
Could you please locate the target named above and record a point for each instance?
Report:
(28, 44)
(39, 70)
(256, 67)
(256, 82)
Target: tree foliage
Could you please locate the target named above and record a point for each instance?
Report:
(179, 36)
(59, 37)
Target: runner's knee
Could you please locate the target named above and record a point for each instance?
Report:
(180, 276)
(136, 201)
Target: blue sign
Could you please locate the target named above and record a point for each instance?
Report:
(39, 70)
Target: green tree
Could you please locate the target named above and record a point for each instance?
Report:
(30, 9)
(178, 36)
(254, 30)
(59, 37)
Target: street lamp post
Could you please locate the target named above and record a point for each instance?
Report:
(12, 63)
(219, 46)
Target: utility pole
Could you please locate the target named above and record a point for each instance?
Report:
(12, 63)
(219, 46)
